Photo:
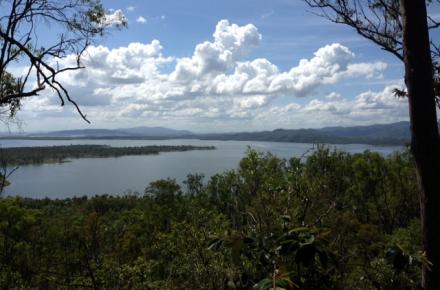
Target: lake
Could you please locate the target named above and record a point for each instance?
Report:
(129, 174)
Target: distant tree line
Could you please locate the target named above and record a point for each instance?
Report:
(50, 154)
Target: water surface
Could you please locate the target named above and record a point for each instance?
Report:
(91, 176)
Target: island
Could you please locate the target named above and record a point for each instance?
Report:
(14, 156)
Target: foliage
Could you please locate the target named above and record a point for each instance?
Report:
(330, 221)
(49, 154)
(73, 23)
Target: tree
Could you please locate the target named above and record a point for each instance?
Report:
(77, 23)
(402, 28)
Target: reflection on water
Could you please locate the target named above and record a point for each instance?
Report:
(121, 175)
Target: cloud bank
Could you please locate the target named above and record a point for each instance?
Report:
(217, 82)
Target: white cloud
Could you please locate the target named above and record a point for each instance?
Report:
(378, 107)
(231, 42)
(217, 82)
(131, 8)
(141, 19)
(370, 70)
(333, 96)
(115, 18)
(251, 102)
(373, 105)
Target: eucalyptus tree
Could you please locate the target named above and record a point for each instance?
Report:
(402, 28)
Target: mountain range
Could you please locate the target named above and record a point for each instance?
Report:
(381, 134)
(112, 133)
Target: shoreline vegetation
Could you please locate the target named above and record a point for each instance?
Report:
(14, 156)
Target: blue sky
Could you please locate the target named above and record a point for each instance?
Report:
(175, 66)
(290, 30)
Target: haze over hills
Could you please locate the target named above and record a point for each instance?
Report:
(112, 133)
(155, 131)
(381, 134)
(394, 130)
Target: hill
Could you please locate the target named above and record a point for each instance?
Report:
(135, 132)
(399, 130)
(382, 134)
(379, 134)
(155, 131)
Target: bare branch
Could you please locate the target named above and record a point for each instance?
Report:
(376, 20)
(80, 22)
(380, 22)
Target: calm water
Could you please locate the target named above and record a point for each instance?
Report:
(127, 174)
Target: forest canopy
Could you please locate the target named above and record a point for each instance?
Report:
(330, 221)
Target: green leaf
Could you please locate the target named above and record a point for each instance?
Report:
(263, 284)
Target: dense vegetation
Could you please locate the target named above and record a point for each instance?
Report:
(50, 154)
(331, 221)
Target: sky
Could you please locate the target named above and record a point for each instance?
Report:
(224, 66)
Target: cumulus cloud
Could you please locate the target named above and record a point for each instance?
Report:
(114, 73)
(213, 58)
(141, 19)
(380, 107)
(373, 105)
(114, 18)
(217, 81)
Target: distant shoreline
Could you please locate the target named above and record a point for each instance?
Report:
(380, 134)
(233, 137)
(59, 154)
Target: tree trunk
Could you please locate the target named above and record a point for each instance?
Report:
(424, 131)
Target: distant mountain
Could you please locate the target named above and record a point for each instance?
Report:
(137, 132)
(382, 134)
(81, 133)
(155, 131)
(399, 130)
